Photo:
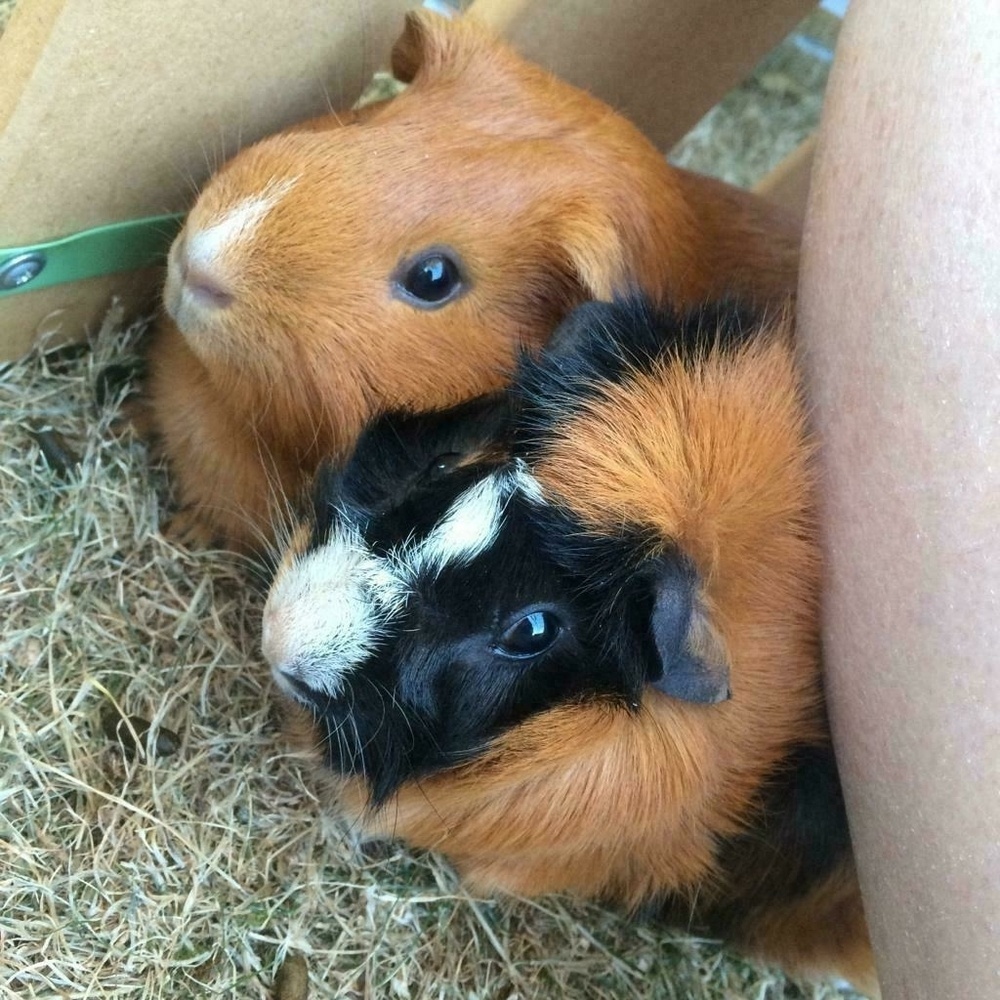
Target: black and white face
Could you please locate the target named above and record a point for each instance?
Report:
(439, 598)
(427, 610)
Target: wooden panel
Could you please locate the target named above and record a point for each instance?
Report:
(664, 63)
(116, 109)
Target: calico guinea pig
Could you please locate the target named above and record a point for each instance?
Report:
(400, 255)
(567, 636)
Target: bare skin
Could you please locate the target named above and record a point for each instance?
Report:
(900, 325)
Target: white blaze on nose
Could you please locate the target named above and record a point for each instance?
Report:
(206, 247)
(326, 612)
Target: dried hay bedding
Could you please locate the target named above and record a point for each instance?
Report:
(194, 874)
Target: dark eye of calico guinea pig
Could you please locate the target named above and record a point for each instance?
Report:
(440, 601)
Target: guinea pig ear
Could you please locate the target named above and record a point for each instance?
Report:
(593, 249)
(691, 657)
(432, 42)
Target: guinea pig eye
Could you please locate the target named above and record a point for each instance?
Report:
(529, 635)
(442, 464)
(430, 280)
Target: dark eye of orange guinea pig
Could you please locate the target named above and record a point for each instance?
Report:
(431, 279)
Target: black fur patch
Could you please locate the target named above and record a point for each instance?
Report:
(606, 342)
(393, 469)
(799, 837)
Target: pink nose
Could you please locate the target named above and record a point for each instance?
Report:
(207, 288)
(272, 636)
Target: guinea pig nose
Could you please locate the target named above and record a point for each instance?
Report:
(272, 636)
(204, 287)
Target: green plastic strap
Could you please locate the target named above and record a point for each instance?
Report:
(122, 246)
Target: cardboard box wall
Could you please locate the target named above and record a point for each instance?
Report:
(117, 109)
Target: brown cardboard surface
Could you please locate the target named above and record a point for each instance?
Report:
(117, 109)
(63, 313)
(663, 63)
(788, 183)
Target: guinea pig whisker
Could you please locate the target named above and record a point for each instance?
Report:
(692, 907)
(186, 174)
(312, 446)
(268, 550)
(409, 717)
(283, 520)
(361, 755)
(321, 715)
(205, 156)
(418, 782)
(336, 732)
(221, 152)
(357, 750)
(348, 751)
(282, 517)
(403, 714)
(377, 728)
(265, 559)
(330, 110)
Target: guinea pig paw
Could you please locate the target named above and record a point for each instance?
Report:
(189, 529)
(134, 416)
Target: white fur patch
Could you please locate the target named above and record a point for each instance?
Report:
(526, 483)
(469, 527)
(326, 612)
(206, 247)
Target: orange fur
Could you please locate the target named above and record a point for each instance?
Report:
(827, 926)
(548, 195)
(714, 457)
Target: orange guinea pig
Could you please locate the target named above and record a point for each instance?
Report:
(402, 254)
